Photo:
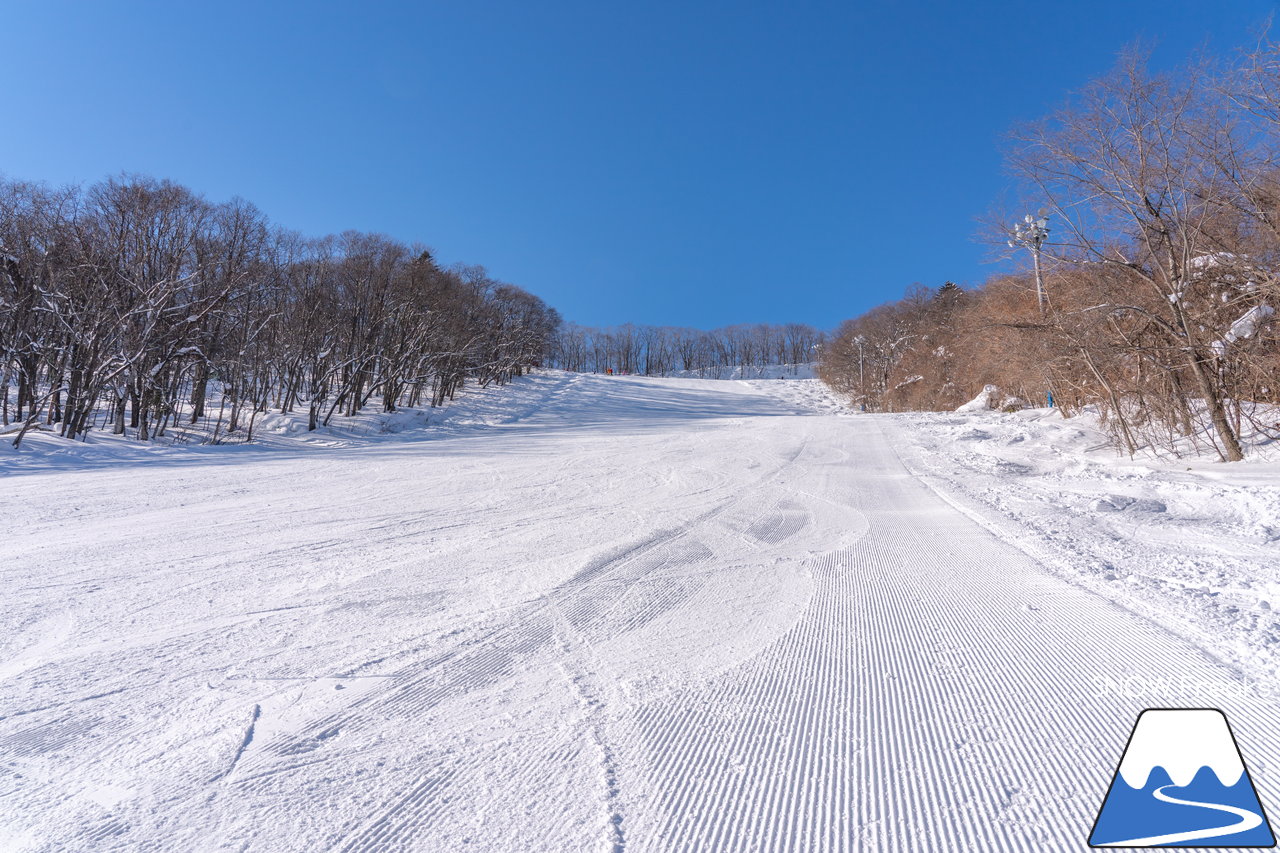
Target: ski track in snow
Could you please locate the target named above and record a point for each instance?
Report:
(633, 615)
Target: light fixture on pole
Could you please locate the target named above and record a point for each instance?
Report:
(1031, 234)
(862, 373)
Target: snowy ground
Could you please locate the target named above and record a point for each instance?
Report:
(1191, 543)
(597, 613)
(474, 409)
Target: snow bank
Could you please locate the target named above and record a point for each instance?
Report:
(984, 401)
(1193, 544)
(473, 408)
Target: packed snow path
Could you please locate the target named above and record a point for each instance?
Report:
(647, 615)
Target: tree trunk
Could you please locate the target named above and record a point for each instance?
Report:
(199, 390)
(1230, 451)
(120, 404)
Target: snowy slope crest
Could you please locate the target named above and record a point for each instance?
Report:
(802, 370)
(1182, 742)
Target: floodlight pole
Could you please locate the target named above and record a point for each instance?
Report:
(862, 378)
(1032, 233)
(1035, 254)
(862, 372)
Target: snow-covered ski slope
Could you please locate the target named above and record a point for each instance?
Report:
(644, 615)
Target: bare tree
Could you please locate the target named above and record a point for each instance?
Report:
(1130, 173)
(134, 300)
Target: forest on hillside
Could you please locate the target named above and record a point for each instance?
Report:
(1157, 235)
(131, 304)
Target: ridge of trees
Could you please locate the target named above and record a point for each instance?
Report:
(1161, 269)
(666, 350)
(122, 304)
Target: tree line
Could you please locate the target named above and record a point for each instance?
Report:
(1157, 233)
(666, 351)
(134, 303)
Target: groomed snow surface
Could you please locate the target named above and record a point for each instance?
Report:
(616, 614)
(1193, 544)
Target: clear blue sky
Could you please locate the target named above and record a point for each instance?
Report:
(685, 163)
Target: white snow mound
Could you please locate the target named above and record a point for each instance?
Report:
(985, 401)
